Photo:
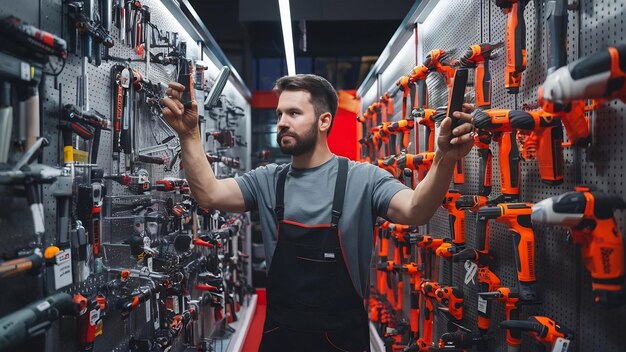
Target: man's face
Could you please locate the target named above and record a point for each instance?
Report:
(297, 123)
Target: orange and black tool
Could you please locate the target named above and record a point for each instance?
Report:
(89, 320)
(426, 119)
(428, 290)
(600, 76)
(418, 77)
(478, 57)
(517, 217)
(515, 39)
(545, 332)
(438, 60)
(482, 140)
(589, 214)
(497, 121)
(386, 105)
(451, 297)
(488, 281)
(511, 312)
(405, 127)
(547, 132)
(456, 218)
(383, 253)
(418, 162)
(389, 164)
(414, 270)
(405, 86)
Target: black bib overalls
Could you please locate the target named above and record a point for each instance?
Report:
(312, 304)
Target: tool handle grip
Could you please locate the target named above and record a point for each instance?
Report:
(509, 164)
(146, 159)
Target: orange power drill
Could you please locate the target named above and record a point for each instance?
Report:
(478, 57)
(515, 43)
(511, 312)
(599, 76)
(548, 335)
(402, 126)
(517, 217)
(420, 162)
(456, 219)
(548, 132)
(428, 118)
(589, 213)
(488, 281)
(498, 122)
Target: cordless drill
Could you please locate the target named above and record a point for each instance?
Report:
(547, 132)
(451, 297)
(477, 57)
(589, 214)
(515, 40)
(402, 126)
(498, 122)
(405, 86)
(428, 118)
(511, 302)
(488, 281)
(517, 217)
(599, 76)
(456, 219)
(545, 331)
(420, 162)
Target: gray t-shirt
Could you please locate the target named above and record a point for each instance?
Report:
(309, 198)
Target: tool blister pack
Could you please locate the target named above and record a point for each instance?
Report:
(103, 247)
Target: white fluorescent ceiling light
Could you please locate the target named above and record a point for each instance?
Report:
(285, 20)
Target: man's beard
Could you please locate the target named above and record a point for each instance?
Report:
(302, 144)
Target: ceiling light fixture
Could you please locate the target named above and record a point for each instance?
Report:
(285, 20)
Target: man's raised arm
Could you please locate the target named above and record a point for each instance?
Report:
(205, 188)
(418, 206)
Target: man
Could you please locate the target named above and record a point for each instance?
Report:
(317, 213)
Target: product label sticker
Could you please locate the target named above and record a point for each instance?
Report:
(63, 269)
(482, 305)
(561, 345)
(94, 316)
(43, 306)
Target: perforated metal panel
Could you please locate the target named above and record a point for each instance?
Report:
(564, 284)
(55, 92)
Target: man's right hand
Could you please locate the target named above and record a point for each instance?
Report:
(183, 120)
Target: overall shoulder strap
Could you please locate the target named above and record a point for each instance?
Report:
(279, 210)
(340, 191)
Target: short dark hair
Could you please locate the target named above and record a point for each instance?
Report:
(323, 95)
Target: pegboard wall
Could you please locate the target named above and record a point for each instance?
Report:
(231, 112)
(564, 285)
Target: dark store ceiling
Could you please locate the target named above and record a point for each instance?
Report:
(250, 29)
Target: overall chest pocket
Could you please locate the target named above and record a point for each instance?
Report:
(316, 274)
